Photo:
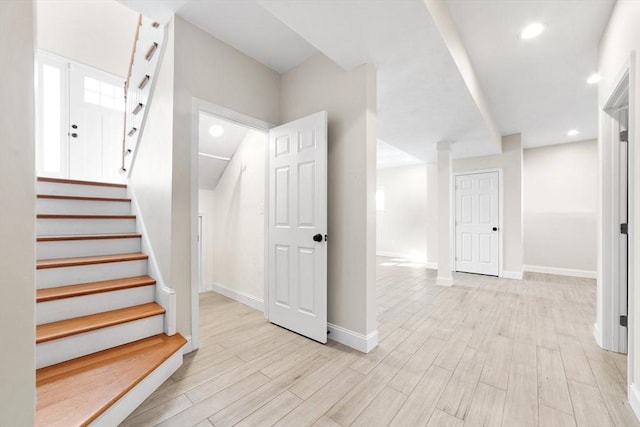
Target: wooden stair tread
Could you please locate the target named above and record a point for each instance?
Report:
(84, 216)
(64, 328)
(88, 260)
(88, 237)
(50, 294)
(84, 198)
(80, 182)
(76, 392)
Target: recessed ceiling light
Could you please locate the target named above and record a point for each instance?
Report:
(532, 30)
(216, 131)
(573, 132)
(593, 78)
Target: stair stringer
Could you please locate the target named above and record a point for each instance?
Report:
(164, 295)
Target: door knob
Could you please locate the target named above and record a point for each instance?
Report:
(74, 135)
(74, 126)
(495, 228)
(317, 238)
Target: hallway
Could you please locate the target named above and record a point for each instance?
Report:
(487, 351)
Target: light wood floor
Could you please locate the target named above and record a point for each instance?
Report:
(486, 352)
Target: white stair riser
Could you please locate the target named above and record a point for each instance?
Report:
(63, 349)
(79, 248)
(79, 190)
(62, 309)
(70, 206)
(56, 227)
(52, 277)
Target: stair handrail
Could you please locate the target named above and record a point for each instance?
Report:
(144, 65)
(127, 82)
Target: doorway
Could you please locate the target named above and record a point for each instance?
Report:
(477, 223)
(79, 120)
(271, 227)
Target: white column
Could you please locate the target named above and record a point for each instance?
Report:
(444, 214)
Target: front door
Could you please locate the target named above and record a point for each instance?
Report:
(96, 116)
(80, 120)
(477, 223)
(297, 247)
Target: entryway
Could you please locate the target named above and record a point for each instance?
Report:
(477, 222)
(79, 120)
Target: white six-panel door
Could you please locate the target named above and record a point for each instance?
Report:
(297, 248)
(477, 208)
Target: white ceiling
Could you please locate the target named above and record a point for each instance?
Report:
(535, 87)
(222, 146)
(389, 156)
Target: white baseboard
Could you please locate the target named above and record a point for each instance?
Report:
(408, 257)
(188, 347)
(515, 275)
(634, 399)
(444, 281)
(239, 296)
(597, 334)
(561, 271)
(355, 340)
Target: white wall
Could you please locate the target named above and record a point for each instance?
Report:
(402, 225)
(151, 179)
(620, 39)
(98, 33)
(237, 245)
(561, 207)
(17, 214)
(212, 71)
(431, 215)
(350, 100)
(510, 160)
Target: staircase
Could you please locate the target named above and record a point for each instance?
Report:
(101, 346)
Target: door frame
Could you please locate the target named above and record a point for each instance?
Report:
(452, 238)
(608, 334)
(198, 106)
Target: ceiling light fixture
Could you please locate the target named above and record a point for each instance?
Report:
(593, 78)
(573, 132)
(531, 31)
(216, 131)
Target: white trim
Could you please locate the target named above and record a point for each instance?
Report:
(355, 340)
(124, 406)
(197, 106)
(634, 399)
(447, 282)
(188, 347)
(241, 297)
(401, 255)
(501, 272)
(587, 274)
(164, 295)
(597, 334)
(515, 275)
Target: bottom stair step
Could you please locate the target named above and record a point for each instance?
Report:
(90, 388)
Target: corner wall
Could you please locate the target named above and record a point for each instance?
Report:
(17, 213)
(349, 97)
(560, 208)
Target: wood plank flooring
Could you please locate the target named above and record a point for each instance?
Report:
(485, 352)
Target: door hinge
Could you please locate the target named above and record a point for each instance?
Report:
(624, 136)
(624, 228)
(623, 321)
